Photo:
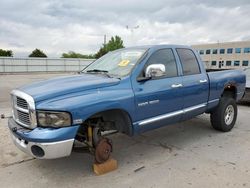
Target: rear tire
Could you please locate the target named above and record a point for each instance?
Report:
(223, 117)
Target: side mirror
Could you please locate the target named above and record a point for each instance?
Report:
(155, 70)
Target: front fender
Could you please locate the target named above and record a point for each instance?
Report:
(83, 105)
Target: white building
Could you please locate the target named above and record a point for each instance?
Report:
(226, 55)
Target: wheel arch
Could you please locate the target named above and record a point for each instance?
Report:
(121, 117)
(230, 90)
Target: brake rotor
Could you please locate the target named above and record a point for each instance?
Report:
(103, 150)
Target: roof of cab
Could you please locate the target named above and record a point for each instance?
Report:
(160, 46)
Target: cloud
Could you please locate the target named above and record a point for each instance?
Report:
(57, 26)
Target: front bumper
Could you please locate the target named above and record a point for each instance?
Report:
(50, 150)
(42, 146)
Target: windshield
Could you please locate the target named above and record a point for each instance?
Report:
(118, 63)
(247, 71)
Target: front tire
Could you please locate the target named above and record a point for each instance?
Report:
(224, 116)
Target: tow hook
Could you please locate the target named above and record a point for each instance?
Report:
(14, 129)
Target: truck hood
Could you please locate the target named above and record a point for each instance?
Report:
(59, 86)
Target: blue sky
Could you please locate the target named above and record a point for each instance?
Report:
(58, 26)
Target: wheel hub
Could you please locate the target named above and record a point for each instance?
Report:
(103, 150)
(229, 115)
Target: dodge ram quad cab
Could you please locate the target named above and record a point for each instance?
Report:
(130, 90)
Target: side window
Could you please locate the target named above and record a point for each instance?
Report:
(165, 57)
(189, 62)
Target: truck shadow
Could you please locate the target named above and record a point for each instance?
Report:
(131, 152)
(244, 103)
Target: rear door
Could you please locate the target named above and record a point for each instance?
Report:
(195, 84)
(159, 100)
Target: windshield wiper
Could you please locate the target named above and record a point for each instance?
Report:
(97, 70)
(100, 71)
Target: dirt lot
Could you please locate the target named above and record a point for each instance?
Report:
(188, 154)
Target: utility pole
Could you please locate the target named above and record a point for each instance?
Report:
(105, 38)
(105, 42)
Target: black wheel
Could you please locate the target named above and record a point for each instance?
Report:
(223, 117)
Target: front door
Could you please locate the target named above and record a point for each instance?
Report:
(158, 100)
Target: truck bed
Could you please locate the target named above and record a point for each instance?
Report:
(220, 79)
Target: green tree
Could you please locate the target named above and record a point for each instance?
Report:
(113, 44)
(6, 53)
(72, 54)
(37, 53)
(102, 51)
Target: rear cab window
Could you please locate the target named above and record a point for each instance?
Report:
(189, 62)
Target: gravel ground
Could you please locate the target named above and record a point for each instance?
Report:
(187, 154)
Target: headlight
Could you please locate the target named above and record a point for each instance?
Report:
(53, 119)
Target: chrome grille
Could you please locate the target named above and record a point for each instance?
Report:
(23, 117)
(21, 103)
(23, 109)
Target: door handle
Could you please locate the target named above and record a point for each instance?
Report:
(176, 85)
(203, 81)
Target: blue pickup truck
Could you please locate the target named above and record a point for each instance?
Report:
(130, 90)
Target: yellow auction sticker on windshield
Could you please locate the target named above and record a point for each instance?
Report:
(124, 63)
